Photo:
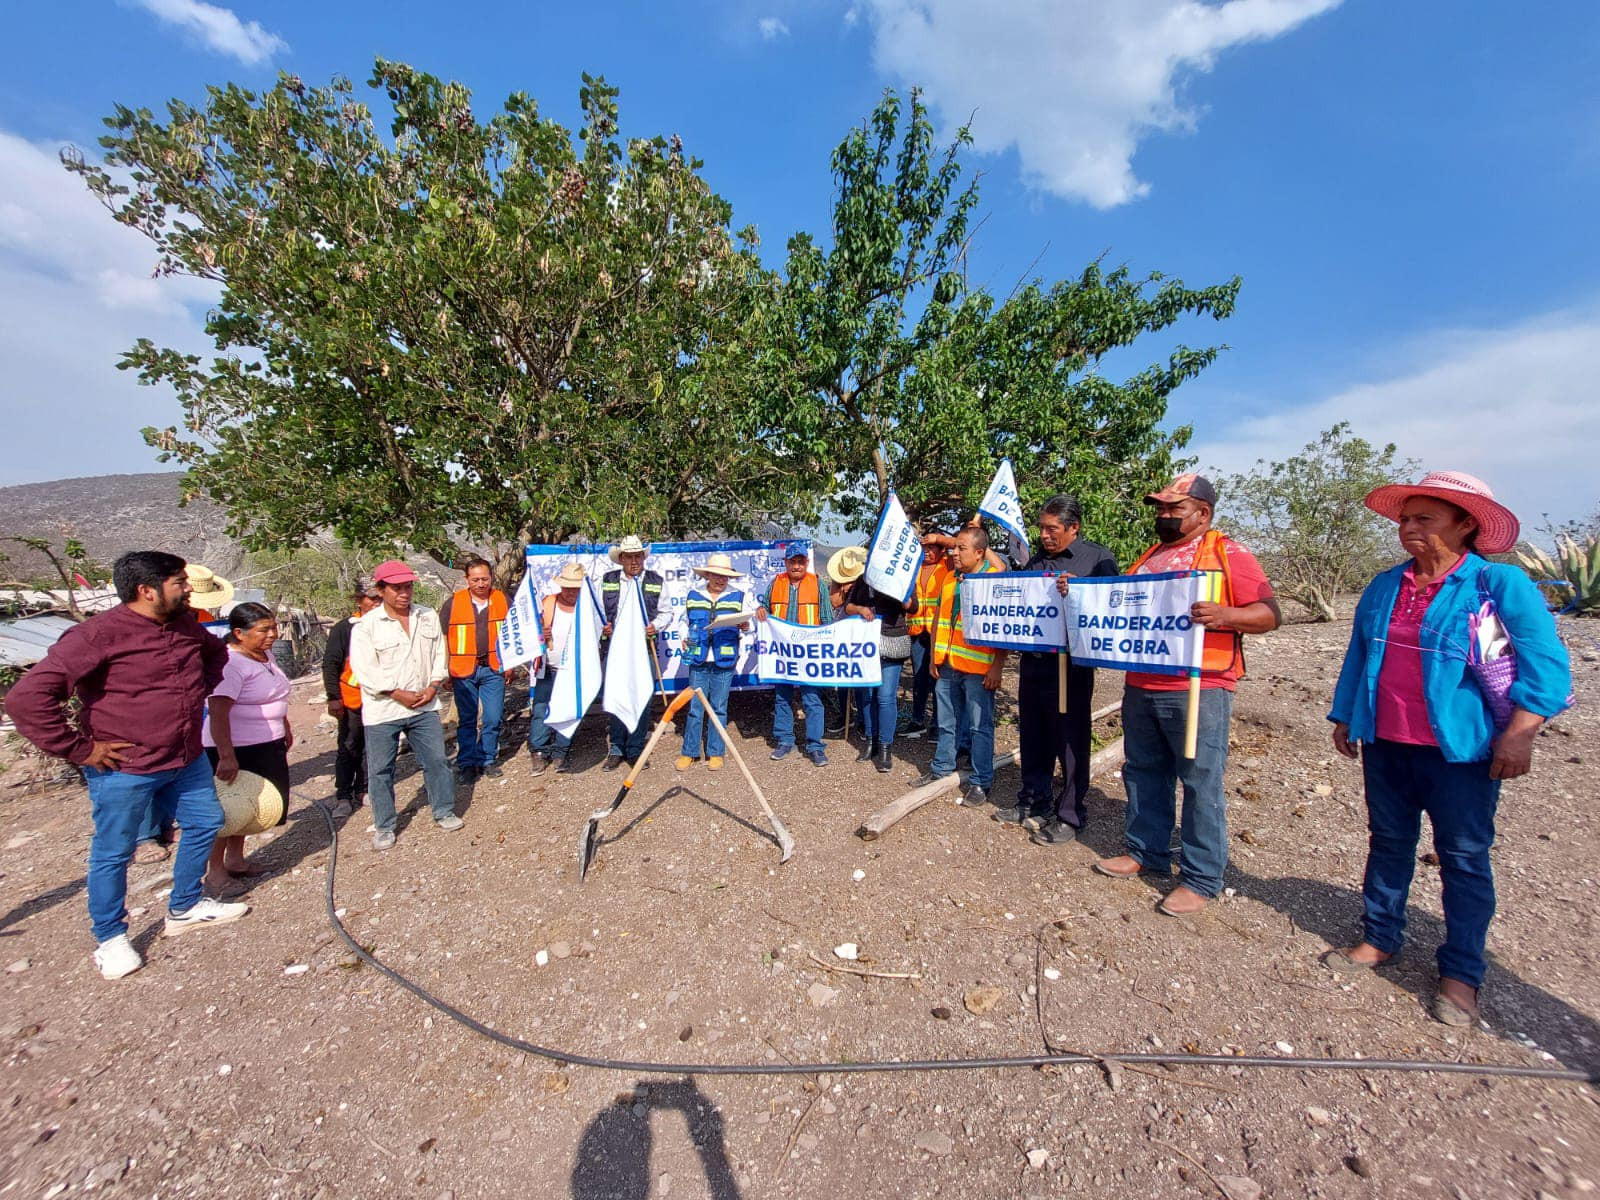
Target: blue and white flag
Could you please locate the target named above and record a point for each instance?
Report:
(578, 673)
(1002, 505)
(630, 679)
(895, 554)
(521, 641)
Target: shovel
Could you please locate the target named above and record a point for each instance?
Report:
(592, 826)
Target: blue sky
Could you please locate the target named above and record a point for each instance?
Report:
(1409, 190)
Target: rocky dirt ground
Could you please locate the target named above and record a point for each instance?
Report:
(264, 1060)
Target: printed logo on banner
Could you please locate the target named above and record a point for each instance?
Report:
(843, 654)
(1160, 638)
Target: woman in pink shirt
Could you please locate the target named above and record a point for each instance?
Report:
(247, 726)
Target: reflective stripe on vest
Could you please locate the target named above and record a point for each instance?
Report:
(461, 632)
(927, 594)
(809, 610)
(948, 644)
(699, 611)
(1224, 648)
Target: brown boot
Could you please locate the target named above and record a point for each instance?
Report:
(1181, 902)
(1123, 866)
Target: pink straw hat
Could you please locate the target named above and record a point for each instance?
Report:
(1497, 526)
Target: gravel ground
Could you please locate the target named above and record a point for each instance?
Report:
(265, 1060)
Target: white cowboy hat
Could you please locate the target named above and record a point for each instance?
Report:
(628, 545)
(1498, 526)
(250, 804)
(718, 564)
(209, 590)
(847, 565)
(572, 574)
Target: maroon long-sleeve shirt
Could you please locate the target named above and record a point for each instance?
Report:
(140, 680)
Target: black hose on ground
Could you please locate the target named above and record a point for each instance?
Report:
(1431, 1066)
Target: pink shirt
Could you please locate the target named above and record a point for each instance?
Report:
(260, 695)
(1402, 712)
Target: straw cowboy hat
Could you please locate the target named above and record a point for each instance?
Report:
(718, 564)
(847, 565)
(250, 804)
(1498, 527)
(628, 545)
(572, 574)
(209, 590)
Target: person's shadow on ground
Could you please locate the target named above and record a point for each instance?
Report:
(613, 1158)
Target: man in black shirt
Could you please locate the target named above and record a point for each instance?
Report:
(1049, 736)
(630, 554)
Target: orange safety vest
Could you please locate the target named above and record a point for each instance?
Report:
(947, 640)
(349, 689)
(810, 606)
(928, 584)
(1223, 648)
(461, 632)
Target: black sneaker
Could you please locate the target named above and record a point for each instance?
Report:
(492, 771)
(976, 797)
(1013, 815)
(914, 730)
(538, 763)
(564, 765)
(613, 761)
(1053, 833)
(926, 778)
(818, 758)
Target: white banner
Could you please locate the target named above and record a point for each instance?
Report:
(1003, 505)
(521, 640)
(578, 672)
(895, 554)
(1136, 622)
(630, 679)
(1014, 610)
(843, 654)
(759, 563)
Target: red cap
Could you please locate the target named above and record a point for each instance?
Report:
(393, 571)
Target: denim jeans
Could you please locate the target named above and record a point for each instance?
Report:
(1403, 782)
(783, 715)
(1152, 731)
(630, 742)
(485, 688)
(541, 738)
(425, 735)
(156, 826)
(961, 699)
(350, 758)
(880, 706)
(120, 802)
(921, 680)
(716, 682)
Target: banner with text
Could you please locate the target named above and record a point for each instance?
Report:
(895, 554)
(1136, 622)
(843, 654)
(759, 563)
(1014, 610)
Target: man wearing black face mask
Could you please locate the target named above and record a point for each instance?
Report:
(1154, 706)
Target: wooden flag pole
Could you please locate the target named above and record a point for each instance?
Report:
(1191, 722)
(1061, 682)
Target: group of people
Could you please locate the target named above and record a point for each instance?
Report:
(167, 708)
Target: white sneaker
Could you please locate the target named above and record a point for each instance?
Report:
(450, 824)
(205, 911)
(116, 957)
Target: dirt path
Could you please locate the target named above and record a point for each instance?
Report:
(216, 1072)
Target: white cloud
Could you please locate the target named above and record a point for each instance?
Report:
(772, 28)
(75, 292)
(1515, 407)
(218, 28)
(1074, 85)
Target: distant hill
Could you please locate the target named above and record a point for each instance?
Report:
(112, 514)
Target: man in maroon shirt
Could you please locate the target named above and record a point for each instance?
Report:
(142, 672)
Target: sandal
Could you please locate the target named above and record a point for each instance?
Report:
(247, 871)
(1447, 1012)
(1338, 960)
(151, 852)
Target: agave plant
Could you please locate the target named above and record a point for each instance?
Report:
(1576, 568)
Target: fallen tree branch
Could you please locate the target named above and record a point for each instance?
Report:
(862, 971)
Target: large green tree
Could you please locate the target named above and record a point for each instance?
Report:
(465, 332)
(886, 357)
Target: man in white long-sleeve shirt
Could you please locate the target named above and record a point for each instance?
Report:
(397, 655)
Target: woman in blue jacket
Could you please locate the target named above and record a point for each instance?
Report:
(1428, 740)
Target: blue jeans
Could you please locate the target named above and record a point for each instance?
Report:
(425, 735)
(156, 826)
(716, 682)
(921, 680)
(1403, 782)
(961, 700)
(783, 715)
(541, 738)
(1152, 731)
(485, 687)
(121, 802)
(880, 706)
